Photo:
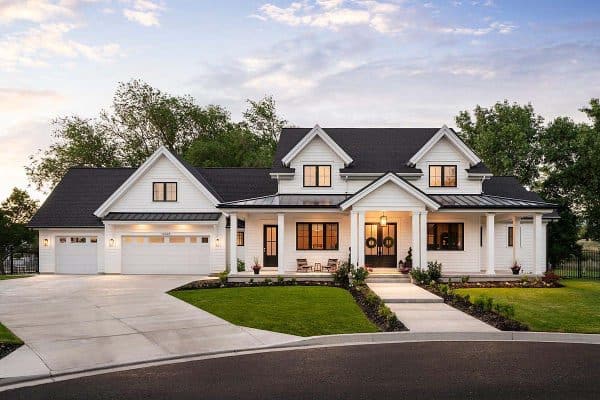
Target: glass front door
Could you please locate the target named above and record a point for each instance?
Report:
(380, 245)
(270, 246)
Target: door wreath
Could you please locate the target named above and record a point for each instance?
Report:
(371, 242)
(388, 242)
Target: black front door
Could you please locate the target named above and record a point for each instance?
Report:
(270, 246)
(380, 245)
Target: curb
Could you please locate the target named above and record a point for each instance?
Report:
(356, 339)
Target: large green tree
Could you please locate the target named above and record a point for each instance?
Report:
(15, 212)
(143, 118)
(506, 136)
(19, 207)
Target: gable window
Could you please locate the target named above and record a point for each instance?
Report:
(445, 236)
(240, 238)
(164, 191)
(317, 176)
(442, 176)
(510, 236)
(317, 236)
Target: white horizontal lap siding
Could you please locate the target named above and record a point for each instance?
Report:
(139, 196)
(47, 254)
(113, 263)
(466, 261)
(444, 153)
(388, 196)
(317, 152)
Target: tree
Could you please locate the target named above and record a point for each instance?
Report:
(19, 207)
(506, 136)
(262, 119)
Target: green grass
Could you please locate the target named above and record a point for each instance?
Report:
(7, 337)
(5, 277)
(296, 310)
(573, 308)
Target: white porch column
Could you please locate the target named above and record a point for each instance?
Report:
(491, 243)
(516, 224)
(538, 245)
(354, 237)
(280, 243)
(423, 239)
(361, 239)
(233, 244)
(415, 230)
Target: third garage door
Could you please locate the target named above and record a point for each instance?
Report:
(187, 255)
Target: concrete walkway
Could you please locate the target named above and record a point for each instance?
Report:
(71, 323)
(422, 311)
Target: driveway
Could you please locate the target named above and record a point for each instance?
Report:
(78, 322)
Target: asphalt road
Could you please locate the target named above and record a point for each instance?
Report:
(434, 370)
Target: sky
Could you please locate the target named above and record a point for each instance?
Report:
(344, 63)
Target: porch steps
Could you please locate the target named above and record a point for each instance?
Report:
(387, 278)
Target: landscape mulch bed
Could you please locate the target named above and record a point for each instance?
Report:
(538, 283)
(489, 317)
(7, 348)
(372, 306)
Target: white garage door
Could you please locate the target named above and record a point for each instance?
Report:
(166, 255)
(77, 254)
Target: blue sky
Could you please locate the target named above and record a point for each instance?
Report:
(332, 62)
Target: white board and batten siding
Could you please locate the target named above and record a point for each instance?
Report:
(389, 196)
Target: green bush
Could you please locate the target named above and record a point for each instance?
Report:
(359, 275)
(434, 270)
(241, 265)
(484, 302)
(268, 281)
(223, 277)
(341, 276)
(465, 279)
(294, 282)
(419, 275)
(507, 310)
(279, 279)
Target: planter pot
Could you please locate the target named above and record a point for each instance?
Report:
(256, 271)
(405, 271)
(516, 271)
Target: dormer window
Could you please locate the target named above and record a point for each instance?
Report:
(442, 176)
(317, 176)
(164, 191)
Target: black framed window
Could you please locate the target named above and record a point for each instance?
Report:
(317, 236)
(164, 191)
(317, 176)
(240, 238)
(445, 236)
(442, 176)
(510, 236)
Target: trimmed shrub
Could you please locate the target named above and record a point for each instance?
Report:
(434, 270)
(359, 275)
(223, 277)
(419, 275)
(341, 276)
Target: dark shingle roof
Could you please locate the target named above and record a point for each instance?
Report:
(372, 149)
(508, 186)
(81, 191)
(240, 183)
(479, 168)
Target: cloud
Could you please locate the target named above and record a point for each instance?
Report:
(14, 99)
(385, 17)
(144, 12)
(36, 47)
(33, 10)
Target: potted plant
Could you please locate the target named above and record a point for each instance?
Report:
(256, 267)
(400, 265)
(516, 268)
(408, 260)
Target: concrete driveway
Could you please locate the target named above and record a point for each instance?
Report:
(69, 323)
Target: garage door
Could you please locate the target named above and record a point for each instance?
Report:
(166, 255)
(77, 254)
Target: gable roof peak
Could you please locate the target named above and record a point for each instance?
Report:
(446, 132)
(308, 137)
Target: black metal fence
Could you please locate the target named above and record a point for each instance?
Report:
(20, 261)
(585, 265)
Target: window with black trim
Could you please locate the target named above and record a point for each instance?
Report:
(164, 191)
(510, 236)
(317, 236)
(442, 176)
(445, 236)
(240, 238)
(317, 176)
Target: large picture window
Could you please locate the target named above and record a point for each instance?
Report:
(317, 236)
(164, 191)
(317, 176)
(445, 236)
(442, 175)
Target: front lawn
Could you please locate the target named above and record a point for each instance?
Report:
(7, 337)
(296, 310)
(4, 277)
(573, 308)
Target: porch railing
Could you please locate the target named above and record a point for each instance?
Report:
(585, 265)
(20, 261)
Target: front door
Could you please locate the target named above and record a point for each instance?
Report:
(270, 246)
(380, 245)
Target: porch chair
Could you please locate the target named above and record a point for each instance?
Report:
(332, 265)
(302, 265)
